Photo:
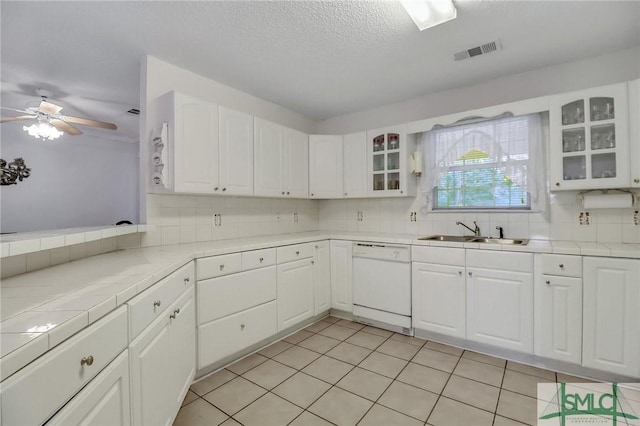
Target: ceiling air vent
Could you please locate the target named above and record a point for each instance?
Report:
(478, 50)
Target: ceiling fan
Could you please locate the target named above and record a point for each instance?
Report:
(48, 117)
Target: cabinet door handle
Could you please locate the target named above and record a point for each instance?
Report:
(224, 189)
(312, 194)
(222, 267)
(547, 282)
(176, 311)
(557, 183)
(157, 304)
(313, 262)
(241, 326)
(561, 265)
(460, 273)
(88, 360)
(261, 259)
(287, 192)
(470, 273)
(282, 192)
(345, 194)
(216, 188)
(297, 253)
(172, 316)
(186, 280)
(636, 180)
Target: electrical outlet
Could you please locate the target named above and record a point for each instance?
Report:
(584, 219)
(360, 216)
(636, 217)
(295, 217)
(217, 219)
(413, 216)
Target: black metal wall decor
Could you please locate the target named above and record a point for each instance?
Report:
(14, 171)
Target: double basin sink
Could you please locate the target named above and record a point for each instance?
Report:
(473, 239)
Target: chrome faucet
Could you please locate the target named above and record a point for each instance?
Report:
(475, 231)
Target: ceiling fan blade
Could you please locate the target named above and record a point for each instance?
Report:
(87, 122)
(18, 118)
(65, 127)
(18, 110)
(49, 108)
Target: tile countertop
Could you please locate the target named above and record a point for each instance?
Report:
(41, 309)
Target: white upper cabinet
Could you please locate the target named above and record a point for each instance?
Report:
(388, 162)
(634, 131)
(281, 161)
(192, 145)
(296, 166)
(355, 165)
(236, 153)
(325, 166)
(589, 137)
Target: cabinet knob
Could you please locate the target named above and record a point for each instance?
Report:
(222, 267)
(312, 194)
(241, 326)
(261, 259)
(172, 316)
(636, 180)
(345, 194)
(547, 282)
(88, 360)
(470, 273)
(297, 253)
(402, 192)
(176, 311)
(287, 192)
(460, 273)
(186, 280)
(557, 183)
(216, 188)
(224, 189)
(282, 192)
(561, 265)
(156, 304)
(313, 262)
(316, 246)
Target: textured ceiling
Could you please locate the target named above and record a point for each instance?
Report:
(320, 58)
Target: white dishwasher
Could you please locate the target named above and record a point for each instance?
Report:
(382, 286)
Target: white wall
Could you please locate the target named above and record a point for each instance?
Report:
(186, 218)
(75, 181)
(615, 67)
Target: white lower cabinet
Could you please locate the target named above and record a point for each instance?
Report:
(104, 401)
(341, 275)
(163, 363)
(500, 299)
(611, 329)
(558, 307)
(295, 292)
(322, 277)
(438, 298)
(224, 337)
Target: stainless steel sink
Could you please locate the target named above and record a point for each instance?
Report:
(472, 239)
(448, 238)
(507, 241)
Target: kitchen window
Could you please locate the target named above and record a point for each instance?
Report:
(495, 164)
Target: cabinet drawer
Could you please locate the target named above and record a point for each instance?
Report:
(216, 266)
(148, 305)
(32, 395)
(258, 258)
(438, 255)
(563, 265)
(504, 261)
(222, 296)
(294, 252)
(226, 336)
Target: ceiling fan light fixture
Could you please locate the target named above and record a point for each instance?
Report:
(43, 130)
(429, 13)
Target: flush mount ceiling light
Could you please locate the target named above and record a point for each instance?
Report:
(43, 130)
(429, 13)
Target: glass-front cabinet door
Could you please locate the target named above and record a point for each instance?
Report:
(387, 166)
(589, 139)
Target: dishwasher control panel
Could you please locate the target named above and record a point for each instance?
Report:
(390, 252)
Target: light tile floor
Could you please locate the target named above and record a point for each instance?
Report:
(343, 373)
